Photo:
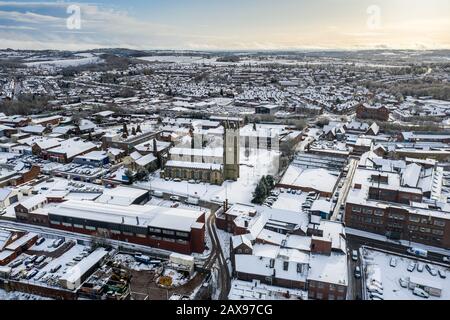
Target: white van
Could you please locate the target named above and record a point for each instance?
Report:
(421, 293)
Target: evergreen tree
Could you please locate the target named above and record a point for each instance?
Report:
(133, 131)
(129, 176)
(125, 131)
(138, 129)
(270, 181)
(260, 193)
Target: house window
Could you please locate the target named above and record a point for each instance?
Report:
(367, 211)
(378, 212)
(286, 265)
(425, 230)
(319, 295)
(439, 223)
(182, 234)
(438, 232)
(356, 209)
(169, 232)
(414, 219)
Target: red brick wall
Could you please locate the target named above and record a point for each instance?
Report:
(164, 245)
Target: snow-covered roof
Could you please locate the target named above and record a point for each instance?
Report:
(21, 241)
(317, 179)
(93, 155)
(4, 193)
(123, 196)
(149, 216)
(329, 269)
(73, 275)
(241, 239)
(146, 160)
(193, 165)
(73, 147)
(33, 201)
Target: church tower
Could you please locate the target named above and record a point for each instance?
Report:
(231, 151)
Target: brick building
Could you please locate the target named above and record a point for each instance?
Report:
(399, 199)
(173, 229)
(364, 111)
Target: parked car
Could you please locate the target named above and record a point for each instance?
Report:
(55, 268)
(375, 283)
(31, 274)
(420, 267)
(431, 270)
(411, 267)
(442, 274)
(375, 296)
(421, 293)
(174, 198)
(355, 255)
(39, 259)
(446, 259)
(403, 282)
(357, 272)
(393, 262)
(375, 289)
(39, 241)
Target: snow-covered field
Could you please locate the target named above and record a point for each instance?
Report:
(63, 63)
(390, 276)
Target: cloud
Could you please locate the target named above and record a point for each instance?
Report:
(41, 25)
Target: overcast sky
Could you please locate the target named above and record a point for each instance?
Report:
(228, 24)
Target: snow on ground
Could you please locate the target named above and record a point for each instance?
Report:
(259, 162)
(15, 295)
(131, 263)
(292, 202)
(390, 276)
(63, 63)
(225, 238)
(177, 278)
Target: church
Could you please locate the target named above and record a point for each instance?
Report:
(180, 166)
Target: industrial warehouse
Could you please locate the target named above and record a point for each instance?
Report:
(174, 229)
